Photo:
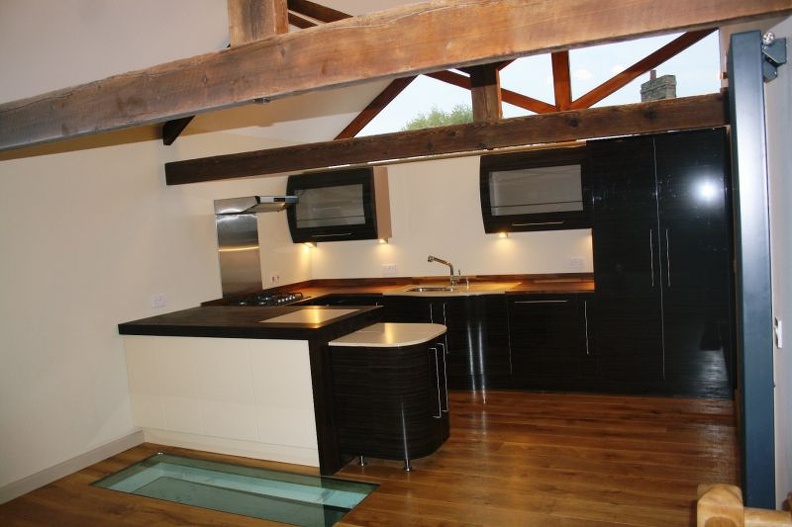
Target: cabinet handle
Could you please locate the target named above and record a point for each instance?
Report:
(585, 318)
(336, 234)
(439, 394)
(445, 375)
(651, 255)
(541, 301)
(668, 259)
(533, 223)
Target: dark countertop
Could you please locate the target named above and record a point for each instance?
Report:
(215, 320)
(514, 284)
(246, 322)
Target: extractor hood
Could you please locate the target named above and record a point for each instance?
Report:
(253, 204)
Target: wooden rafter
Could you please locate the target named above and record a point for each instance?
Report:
(464, 139)
(620, 80)
(562, 82)
(316, 11)
(408, 40)
(375, 107)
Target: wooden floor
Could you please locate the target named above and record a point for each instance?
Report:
(513, 459)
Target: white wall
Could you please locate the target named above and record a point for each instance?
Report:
(779, 115)
(435, 209)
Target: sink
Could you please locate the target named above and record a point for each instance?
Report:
(425, 289)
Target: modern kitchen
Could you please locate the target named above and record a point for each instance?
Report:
(122, 258)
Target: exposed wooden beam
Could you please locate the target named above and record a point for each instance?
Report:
(248, 20)
(251, 20)
(408, 40)
(622, 79)
(485, 93)
(562, 82)
(677, 114)
(375, 107)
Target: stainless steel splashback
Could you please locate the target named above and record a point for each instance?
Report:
(238, 251)
(238, 240)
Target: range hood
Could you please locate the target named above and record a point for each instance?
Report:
(253, 204)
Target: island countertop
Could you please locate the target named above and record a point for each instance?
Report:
(281, 322)
(391, 335)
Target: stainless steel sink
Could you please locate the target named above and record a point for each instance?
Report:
(425, 289)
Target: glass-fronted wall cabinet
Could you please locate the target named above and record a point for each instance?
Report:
(542, 189)
(339, 205)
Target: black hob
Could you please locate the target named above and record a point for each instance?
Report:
(268, 299)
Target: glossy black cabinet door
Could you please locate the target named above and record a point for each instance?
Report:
(550, 342)
(626, 250)
(695, 234)
(476, 341)
(662, 257)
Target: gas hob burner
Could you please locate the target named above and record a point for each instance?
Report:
(269, 299)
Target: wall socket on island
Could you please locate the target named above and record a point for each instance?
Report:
(389, 269)
(158, 300)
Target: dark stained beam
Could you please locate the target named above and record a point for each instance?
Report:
(171, 130)
(465, 139)
(408, 40)
(622, 79)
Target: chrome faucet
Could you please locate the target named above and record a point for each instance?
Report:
(454, 278)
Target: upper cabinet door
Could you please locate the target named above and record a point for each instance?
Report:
(626, 238)
(538, 190)
(339, 205)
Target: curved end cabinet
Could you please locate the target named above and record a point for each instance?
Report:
(391, 397)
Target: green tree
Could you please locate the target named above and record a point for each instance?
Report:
(459, 114)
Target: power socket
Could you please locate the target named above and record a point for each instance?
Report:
(158, 300)
(389, 269)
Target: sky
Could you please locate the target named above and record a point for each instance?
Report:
(697, 72)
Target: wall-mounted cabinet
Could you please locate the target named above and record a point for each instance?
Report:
(537, 190)
(340, 205)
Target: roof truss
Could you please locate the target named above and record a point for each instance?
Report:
(400, 42)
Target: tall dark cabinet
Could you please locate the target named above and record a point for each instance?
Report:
(662, 261)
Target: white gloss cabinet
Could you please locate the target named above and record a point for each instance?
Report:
(247, 397)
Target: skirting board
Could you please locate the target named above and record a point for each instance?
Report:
(70, 466)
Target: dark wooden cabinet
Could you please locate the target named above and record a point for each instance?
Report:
(390, 402)
(476, 342)
(550, 341)
(662, 261)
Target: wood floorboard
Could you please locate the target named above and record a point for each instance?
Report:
(513, 459)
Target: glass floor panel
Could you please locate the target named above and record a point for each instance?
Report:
(295, 499)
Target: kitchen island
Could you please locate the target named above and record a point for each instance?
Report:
(249, 381)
